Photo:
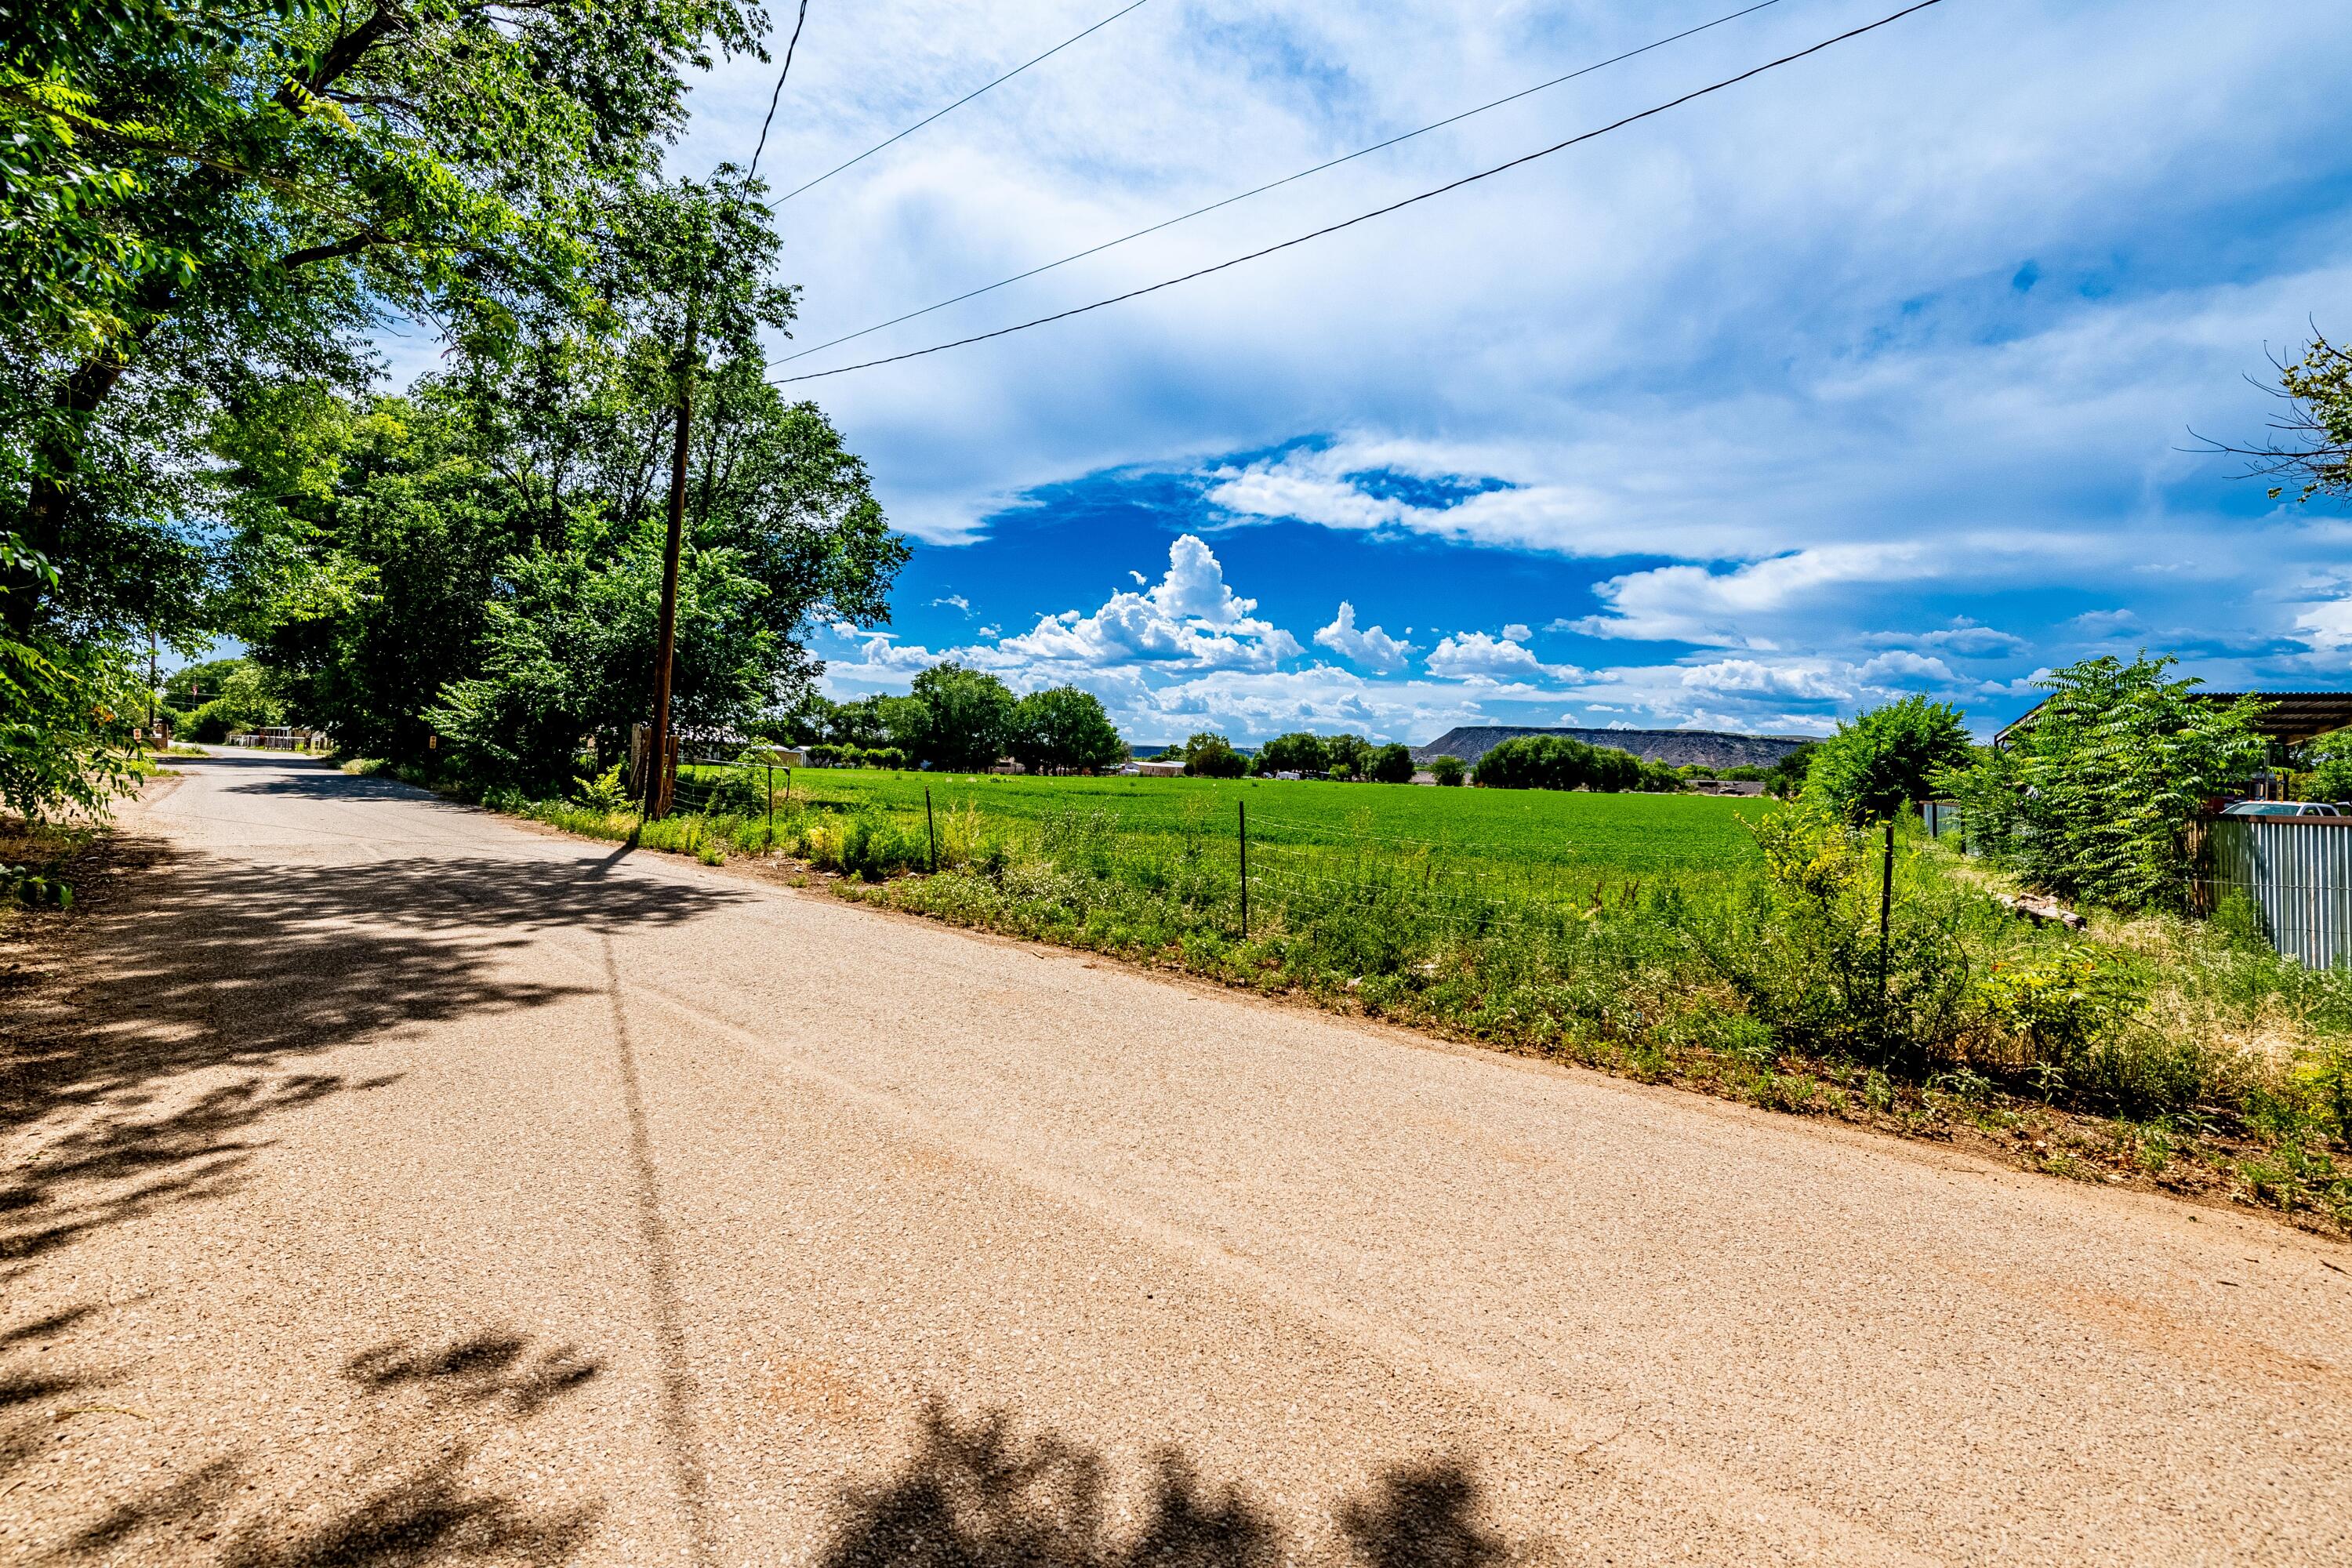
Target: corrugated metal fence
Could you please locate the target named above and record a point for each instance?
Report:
(2297, 871)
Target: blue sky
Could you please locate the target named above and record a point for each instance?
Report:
(1874, 375)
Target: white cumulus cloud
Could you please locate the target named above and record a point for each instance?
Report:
(1477, 656)
(1369, 645)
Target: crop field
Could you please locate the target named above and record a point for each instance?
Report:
(1530, 832)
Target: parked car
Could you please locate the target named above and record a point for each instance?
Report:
(2280, 808)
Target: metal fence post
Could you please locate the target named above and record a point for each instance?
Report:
(771, 805)
(1241, 808)
(931, 829)
(1885, 907)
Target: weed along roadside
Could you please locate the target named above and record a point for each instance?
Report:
(1737, 950)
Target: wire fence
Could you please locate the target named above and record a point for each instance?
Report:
(1265, 872)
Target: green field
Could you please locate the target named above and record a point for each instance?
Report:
(1527, 830)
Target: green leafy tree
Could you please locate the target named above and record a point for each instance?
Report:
(2309, 449)
(1064, 730)
(1210, 755)
(1657, 778)
(968, 716)
(1786, 778)
(65, 713)
(568, 652)
(374, 537)
(192, 685)
(1885, 758)
(244, 697)
(1347, 756)
(2331, 766)
(206, 199)
(806, 722)
(1449, 771)
(2094, 795)
(906, 725)
(1557, 761)
(1300, 752)
(1392, 764)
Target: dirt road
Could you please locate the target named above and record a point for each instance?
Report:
(405, 1187)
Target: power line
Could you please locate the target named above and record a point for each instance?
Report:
(1376, 212)
(960, 102)
(1275, 185)
(776, 97)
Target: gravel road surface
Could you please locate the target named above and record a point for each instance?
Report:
(396, 1185)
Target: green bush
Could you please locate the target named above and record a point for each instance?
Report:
(1448, 770)
(1800, 943)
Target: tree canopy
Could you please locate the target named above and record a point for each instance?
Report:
(213, 212)
(1208, 755)
(1392, 764)
(1064, 730)
(1882, 760)
(1557, 761)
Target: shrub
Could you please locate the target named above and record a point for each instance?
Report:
(604, 791)
(1800, 944)
(1448, 770)
(1392, 764)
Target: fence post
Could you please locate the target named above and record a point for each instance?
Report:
(931, 830)
(1885, 907)
(1242, 808)
(771, 805)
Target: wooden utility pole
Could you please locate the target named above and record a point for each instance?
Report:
(657, 789)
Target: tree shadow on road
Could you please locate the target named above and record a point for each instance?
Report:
(207, 964)
(976, 1494)
(429, 1507)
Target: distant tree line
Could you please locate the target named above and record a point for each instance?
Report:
(1343, 756)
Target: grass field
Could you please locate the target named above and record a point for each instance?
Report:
(1532, 831)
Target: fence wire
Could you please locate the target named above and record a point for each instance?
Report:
(1299, 873)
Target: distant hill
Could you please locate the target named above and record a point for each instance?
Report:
(1676, 748)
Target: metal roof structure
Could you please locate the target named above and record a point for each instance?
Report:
(2293, 718)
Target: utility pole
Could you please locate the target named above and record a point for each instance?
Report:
(658, 788)
(151, 684)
